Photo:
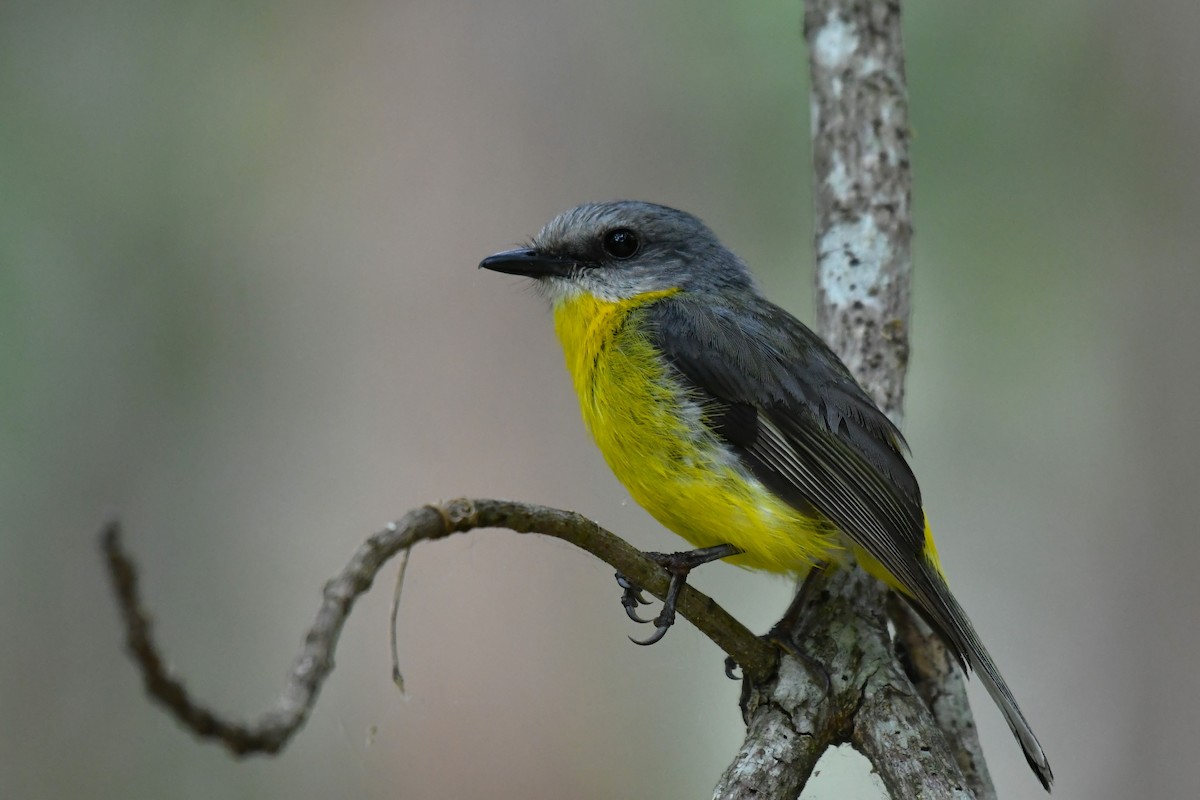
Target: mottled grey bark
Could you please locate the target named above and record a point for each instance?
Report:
(862, 182)
(864, 265)
(870, 703)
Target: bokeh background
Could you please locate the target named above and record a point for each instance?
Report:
(239, 305)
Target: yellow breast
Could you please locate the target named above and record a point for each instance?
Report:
(657, 441)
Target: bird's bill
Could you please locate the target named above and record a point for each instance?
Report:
(529, 262)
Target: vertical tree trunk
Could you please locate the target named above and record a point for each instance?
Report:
(864, 266)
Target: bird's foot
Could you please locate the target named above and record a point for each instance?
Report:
(781, 637)
(678, 566)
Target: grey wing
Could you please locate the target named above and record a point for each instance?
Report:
(800, 423)
(792, 411)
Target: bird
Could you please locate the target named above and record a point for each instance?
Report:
(731, 422)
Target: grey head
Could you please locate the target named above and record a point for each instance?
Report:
(623, 249)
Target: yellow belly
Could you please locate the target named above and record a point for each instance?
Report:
(657, 442)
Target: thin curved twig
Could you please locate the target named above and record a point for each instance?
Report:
(272, 731)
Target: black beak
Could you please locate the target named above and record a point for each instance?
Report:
(529, 262)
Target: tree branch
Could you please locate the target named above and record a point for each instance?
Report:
(272, 731)
(792, 720)
(864, 266)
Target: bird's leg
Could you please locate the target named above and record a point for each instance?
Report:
(677, 565)
(781, 632)
(808, 588)
(781, 636)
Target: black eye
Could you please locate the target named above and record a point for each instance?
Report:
(621, 243)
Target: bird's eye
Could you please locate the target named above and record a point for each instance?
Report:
(621, 243)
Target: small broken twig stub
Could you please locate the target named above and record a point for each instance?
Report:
(271, 732)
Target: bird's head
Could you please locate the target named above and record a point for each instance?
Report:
(620, 250)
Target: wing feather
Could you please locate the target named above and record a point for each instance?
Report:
(803, 426)
(785, 403)
(797, 410)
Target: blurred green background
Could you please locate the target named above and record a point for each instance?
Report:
(239, 305)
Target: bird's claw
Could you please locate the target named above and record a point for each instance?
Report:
(659, 632)
(678, 565)
(631, 598)
(662, 623)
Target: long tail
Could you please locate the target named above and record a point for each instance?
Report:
(947, 617)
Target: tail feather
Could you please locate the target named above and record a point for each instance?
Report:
(983, 666)
(950, 621)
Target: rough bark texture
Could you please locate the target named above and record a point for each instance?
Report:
(862, 182)
(864, 265)
(870, 703)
